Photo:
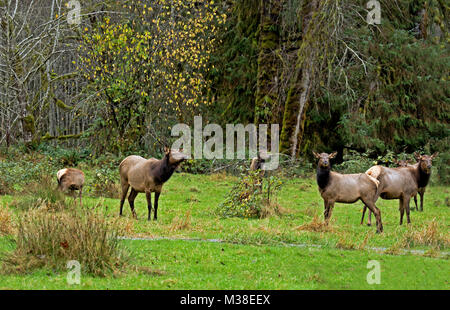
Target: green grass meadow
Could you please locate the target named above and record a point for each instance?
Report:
(191, 247)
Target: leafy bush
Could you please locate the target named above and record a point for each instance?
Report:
(52, 239)
(355, 162)
(105, 182)
(17, 174)
(252, 197)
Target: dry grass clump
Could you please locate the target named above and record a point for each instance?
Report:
(345, 242)
(430, 235)
(52, 239)
(316, 225)
(271, 208)
(181, 223)
(6, 222)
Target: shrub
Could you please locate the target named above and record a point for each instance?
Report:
(104, 182)
(355, 162)
(51, 239)
(252, 197)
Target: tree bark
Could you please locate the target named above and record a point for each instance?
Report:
(298, 95)
(267, 77)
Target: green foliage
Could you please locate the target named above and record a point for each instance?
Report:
(105, 182)
(235, 64)
(251, 197)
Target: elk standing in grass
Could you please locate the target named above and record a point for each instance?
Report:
(70, 179)
(147, 176)
(345, 188)
(402, 183)
(406, 163)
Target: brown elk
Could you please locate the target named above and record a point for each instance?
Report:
(402, 182)
(147, 176)
(345, 188)
(421, 191)
(70, 179)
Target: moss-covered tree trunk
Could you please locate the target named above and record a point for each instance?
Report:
(268, 62)
(298, 95)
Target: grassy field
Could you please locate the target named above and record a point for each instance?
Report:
(291, 251)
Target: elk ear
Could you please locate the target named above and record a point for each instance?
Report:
(166, 150)
(434, 155)
(417, 156)
(316, 155)
(332, 155)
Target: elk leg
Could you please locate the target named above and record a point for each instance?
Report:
(148, 195)
(125, 188)
(330, 211)
(326, 210)
(81, 190)
(131, 198)
(363, 213)
(402, 210)
(421, 193)
(369, 218)
(373, 209)
(415, 202)
(155, 217)
(406, 202)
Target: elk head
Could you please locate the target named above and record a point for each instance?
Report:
(324, 159)
(175, 157)
(425, 161)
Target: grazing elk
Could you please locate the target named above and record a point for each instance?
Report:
(147, 176)
(402, 182)
(70, 179)
(345, 188)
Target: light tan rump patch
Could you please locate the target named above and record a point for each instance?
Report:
(60, 173)
(373, 174)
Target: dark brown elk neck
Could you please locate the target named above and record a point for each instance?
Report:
(163, 170)
(323, 176)
(422, 177)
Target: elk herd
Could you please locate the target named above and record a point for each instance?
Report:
(403, 182)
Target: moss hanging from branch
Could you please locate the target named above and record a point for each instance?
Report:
(315, 51)
(268, 62)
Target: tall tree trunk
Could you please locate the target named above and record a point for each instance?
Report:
(267, 77)
(298, 94)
